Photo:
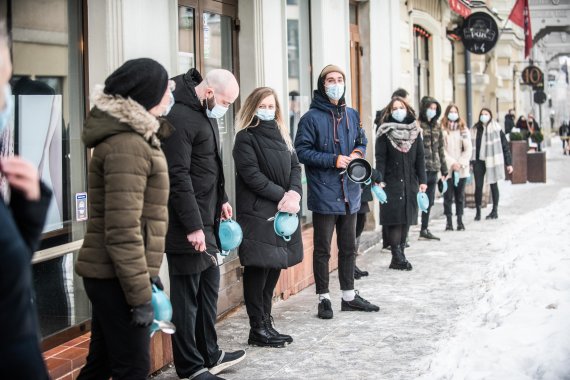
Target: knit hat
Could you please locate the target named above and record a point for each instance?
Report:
(328, 69)
(144, 80)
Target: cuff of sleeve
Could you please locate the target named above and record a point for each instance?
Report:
(336, 161)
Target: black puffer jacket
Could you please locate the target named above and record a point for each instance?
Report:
(196, 175)
(266, 169)
(434, 145)
(402, 173)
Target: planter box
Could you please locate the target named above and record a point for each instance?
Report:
(519, 153)
(536, 167)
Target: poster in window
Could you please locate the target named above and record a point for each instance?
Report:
(40, 142)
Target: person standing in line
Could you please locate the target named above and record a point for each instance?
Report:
(268, 180)
(196, 205)
(491, 153)
(509, 121)
(533, 127)
(328, 138)
(400, 162)
(123, 246)
(564, 133)
(21, 224)
(434, 152)
(458, 150)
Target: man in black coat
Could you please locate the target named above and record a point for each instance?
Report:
(509, 121)
(21, 225)
(196, 205)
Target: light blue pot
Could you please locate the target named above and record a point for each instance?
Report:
(230, 235)
(285, 224)
(423, 202)
(161, 306)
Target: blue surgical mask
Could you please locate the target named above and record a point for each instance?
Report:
(217, 112)
(453, 116)
(170, 104)
(430, 113)
(335, 91)
(484, 119)
(6, 113)
(399, 114)
(265, 114)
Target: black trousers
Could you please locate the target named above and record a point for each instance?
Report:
(360, 222)
(324, 226)
(431, 185)
(117, 348)
(396, 234)
(457, 193)
(194, 300)
(479, 170)
(258, 286)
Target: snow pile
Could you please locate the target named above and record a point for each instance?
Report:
(520, 327)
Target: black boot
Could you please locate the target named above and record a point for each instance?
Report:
(358, 273)
(268, 319)
(493, 215)
(259, 334)
(449, 224)
(460, 226)
(398, 259)
(427, 235)
(478, 214)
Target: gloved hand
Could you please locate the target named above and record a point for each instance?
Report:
(156, 281)
(142, 315)
(290, 202)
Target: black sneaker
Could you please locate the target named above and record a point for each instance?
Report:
(425, 234)
(325, 309)
(206, 376)
(226, 360)
(358, 304)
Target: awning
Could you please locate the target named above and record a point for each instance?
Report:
(460, 7)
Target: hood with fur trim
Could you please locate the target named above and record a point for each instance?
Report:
(112, 115)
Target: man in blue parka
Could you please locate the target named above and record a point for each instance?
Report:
(328, 138)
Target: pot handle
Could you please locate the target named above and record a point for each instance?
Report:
(286, 238)
(368, 181)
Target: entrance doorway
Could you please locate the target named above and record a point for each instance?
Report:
(355, 55)
(207, 40)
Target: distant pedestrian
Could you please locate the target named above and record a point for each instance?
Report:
(458, 150)
(197, 204)
(400, 163)
(509, 121)
(128, 192)
(564, 133)
(489, 157)
(21, 224)
(522, 126)
(434, 153)
(533, 130)
(329, 137)
(268, 180)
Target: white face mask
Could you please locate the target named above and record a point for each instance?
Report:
(453, 116)
(6, 113)
(335, 91)
(484, 119)
(265, 114)
(399, 114)
(170, 104)
(430, 114)
(217, 112)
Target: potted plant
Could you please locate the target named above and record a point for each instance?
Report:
(519, 147)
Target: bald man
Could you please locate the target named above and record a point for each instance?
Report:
(197, 204)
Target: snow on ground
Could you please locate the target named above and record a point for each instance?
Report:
(520, 326)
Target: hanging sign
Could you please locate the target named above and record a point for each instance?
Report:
(480, 33)
(533, 76)
(539, 97)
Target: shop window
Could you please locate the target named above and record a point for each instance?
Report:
(299, 74)
(47, 86)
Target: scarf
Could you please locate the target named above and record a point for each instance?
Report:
(401, 136)
(491, 151)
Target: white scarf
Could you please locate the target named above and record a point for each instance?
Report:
(491, 152)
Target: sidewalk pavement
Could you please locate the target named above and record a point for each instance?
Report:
(419, 310)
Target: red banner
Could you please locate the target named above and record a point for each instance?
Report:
(460, 8)
(520, 15)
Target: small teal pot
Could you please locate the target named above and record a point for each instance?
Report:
(285, 224)
(161, 306)
(423, 202)
(230, 235)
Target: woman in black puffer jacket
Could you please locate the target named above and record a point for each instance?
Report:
(268, 180)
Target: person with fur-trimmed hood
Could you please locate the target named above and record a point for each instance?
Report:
(329, 137)
(434, 152)
(128, 217)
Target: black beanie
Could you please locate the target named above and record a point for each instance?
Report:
(144, 80)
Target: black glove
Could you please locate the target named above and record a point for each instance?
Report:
(143, 315)
(156, 281)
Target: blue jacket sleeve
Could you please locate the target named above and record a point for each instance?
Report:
(305, 145)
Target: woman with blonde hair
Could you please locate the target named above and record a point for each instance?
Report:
(268, 180)
(457, 142)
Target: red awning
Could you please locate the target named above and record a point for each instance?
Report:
(460, 8)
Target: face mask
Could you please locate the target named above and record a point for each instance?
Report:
(335, 91)
(430, 113)
(217, 112)
(399, 114)
(170, 104)
(265, 114)
(484, 119)
(6, 113)
(453, 116)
